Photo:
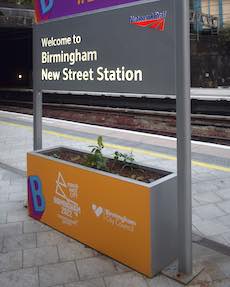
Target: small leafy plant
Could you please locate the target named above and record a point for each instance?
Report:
(56, 155)
(124, 158)
(96, 159)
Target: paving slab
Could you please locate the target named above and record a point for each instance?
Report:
(11, 188)
(219, 239)
(226, 237)
(87, 283)
(203, 176)
(1, 244)
(40, 256)
(10, 229)
(162, 281)
(17, 196)
(224, 193)
(19, 242)
(225, 206)
(201, 253)
(205, 186)
(51, 237)
(60, 273)
(8, 206)
(122, 268)
(95, 267)
(34, 226)
(3, 217)
(20, 278)
(210, 228)
(222, 283)
(73, 251)
(209, 211)
(207, 197)
(224, 266)
(3, 197)
(17, 216)
(129, 279)
(224, 219)
(10, 261)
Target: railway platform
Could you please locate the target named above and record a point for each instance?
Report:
(32, 254)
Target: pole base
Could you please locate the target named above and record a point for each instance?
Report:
(172, 272)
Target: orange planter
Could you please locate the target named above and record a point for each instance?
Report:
(131, 221)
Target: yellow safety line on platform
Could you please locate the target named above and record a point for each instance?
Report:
(124, 148)
(113, 146)
(15, 125)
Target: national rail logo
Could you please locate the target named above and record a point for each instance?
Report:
(155, 20)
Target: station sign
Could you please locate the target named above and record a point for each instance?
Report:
(127, 50)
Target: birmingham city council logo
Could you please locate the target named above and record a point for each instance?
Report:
(113, 218)
(155, 20)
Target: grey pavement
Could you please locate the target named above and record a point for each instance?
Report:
(33, 254)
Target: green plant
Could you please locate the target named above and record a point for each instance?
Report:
(95, 158)
(125, 159)
(56, 156)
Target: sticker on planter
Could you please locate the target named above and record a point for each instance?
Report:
(113, 218)
(36, 200)
(66, 194)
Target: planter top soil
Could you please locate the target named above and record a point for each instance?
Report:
(133, 171)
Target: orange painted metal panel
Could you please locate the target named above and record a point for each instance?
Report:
(107, 213)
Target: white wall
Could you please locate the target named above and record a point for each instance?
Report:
(214, 9)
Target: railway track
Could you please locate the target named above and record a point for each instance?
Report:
(211, 128)
(203, 101)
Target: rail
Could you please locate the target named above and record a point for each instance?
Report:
(210, 128)
(210, 94)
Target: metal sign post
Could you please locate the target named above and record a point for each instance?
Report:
(183, 136)
(37, 122)
(37, 102)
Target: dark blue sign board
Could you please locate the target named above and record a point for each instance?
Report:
(128, 50)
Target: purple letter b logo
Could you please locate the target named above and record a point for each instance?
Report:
(46, 5)
(35, 197)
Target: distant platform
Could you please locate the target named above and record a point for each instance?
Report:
(209, 94)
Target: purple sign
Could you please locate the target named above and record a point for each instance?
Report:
(51, 9)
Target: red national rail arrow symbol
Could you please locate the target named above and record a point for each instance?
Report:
(158, 24)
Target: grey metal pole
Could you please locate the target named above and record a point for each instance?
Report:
(37, 120)
(183, 136)
(37, 100)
